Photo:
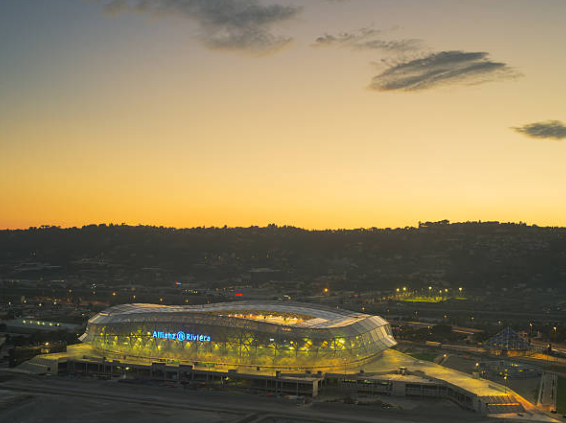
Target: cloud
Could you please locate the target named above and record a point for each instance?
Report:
(367, 39)
(440, 69)
(550, 129)
(233, 25)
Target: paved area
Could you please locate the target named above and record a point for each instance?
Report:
(62, 408)
(389, 362)
(61, 400)
(392, 360)
(528, 388)
(548, 390)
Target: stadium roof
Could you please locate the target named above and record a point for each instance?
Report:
(313, 315)
(268, 316)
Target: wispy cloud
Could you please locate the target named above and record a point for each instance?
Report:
(441, 69)
(550, 129)
(233, 25)
(367, 39)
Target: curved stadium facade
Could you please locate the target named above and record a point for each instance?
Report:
(266, 334)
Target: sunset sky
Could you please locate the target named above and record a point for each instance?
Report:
(312, 113)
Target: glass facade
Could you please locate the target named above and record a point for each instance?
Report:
(267, 335)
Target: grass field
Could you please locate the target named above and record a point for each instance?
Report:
(561, 395)
(423, 356)
(424, 299)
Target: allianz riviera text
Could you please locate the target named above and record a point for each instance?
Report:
(181, 336)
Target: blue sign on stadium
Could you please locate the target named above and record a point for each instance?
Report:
(181, 336)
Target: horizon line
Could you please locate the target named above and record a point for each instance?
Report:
(444, 222)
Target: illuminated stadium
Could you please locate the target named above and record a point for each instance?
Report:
(262, 334)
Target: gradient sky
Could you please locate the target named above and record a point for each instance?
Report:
(187, 115)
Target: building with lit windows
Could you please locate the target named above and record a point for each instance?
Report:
(282, 335)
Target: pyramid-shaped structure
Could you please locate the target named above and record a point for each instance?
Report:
(507, 340)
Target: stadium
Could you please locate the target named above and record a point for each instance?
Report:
(242, 334)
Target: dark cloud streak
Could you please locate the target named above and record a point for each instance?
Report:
(234, 25)
(441, 69)
(367, 39)
(550, 129)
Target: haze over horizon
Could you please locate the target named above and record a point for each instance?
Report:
(319, 114)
